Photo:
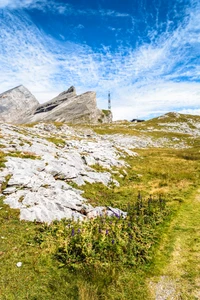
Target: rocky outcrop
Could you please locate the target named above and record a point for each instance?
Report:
(50, 105)
(19, 106)
(39, 173)
(16, 104)
(70, 108)
(48, 165)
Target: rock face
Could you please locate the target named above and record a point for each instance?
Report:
(39, 176)
(16, 104)
(68, 107)
(20, 106)
(50, 105)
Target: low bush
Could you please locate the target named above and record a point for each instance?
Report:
(104, 240)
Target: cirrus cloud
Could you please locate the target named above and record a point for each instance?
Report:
(149, 79)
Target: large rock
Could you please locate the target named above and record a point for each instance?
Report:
(68, 107)
(19, 106)
(16, 104)
(50, 105)
(39, 178)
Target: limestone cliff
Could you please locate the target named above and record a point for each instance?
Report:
(16, 104)
(20, 106)
(71, 108)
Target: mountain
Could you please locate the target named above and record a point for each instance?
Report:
(16, 104)
(20, 106)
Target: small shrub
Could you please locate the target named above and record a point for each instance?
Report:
(106, 240)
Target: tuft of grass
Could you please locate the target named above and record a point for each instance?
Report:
(57, 141)
(5, 182)
(58, 124)
(29, 125)
(2, 159)
(24, 154)
(97, 167)
(106, 112)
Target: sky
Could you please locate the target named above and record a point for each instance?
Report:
(145, 52)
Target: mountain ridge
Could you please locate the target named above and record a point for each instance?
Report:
(19, 106)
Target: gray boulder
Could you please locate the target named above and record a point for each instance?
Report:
(16, 104)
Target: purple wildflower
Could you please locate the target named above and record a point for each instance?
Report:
(73, 233)
(106, 231)
(113, 241)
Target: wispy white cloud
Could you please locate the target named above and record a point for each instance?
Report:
(146, 80)
(58, 7)
(24, 55)
(14, 4)
(156, 99)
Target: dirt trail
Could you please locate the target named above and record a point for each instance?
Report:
(181, 276)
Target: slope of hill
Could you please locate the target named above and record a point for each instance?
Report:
(51, 171)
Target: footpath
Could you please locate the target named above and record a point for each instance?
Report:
(180, 277)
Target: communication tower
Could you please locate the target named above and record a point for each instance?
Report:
(109, 101)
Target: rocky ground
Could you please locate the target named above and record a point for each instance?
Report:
(44, 161)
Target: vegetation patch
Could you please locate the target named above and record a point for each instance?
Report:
(113, 258)
(106, 112)
(2, 159)
(125, 241)
(24, 154)
(57, 141)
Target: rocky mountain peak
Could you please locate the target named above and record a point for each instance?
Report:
(69, 91)
(16, 104)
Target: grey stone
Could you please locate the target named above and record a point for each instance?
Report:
(9, 190)
(117, 212)
(71, 108)
(50, 105)
(16, 104)
(38, 187)
(96, 212)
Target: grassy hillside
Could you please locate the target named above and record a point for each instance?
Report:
(151, 254)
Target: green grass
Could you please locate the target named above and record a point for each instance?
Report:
(106, 112)
(24, 154)
(169, 172)
(57, 141)
(177, 258)
(2, 159)
(172, 173)
(40, 276)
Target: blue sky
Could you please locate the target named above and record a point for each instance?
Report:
(145, 52)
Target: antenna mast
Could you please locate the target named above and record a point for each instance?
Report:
(109, 101)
